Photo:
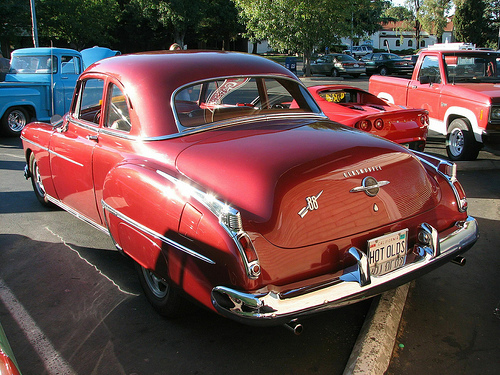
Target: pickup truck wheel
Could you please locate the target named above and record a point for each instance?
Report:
(36, 182)
(383, 71)
(164, 299)
(460, 142)
(14, 120)
(335, 73)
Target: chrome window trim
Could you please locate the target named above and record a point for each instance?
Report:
(154, 234)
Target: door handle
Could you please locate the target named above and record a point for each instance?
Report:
(92, 137)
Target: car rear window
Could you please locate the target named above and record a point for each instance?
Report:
(233, 98)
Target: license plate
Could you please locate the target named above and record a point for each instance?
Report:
(356, 65)
(388, 252)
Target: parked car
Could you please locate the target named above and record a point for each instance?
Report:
(228, 185)
(387, 63)
(459, 88)
(8, 364)
(40, 84)
(337, 64)
(357, 108)
(359, 51)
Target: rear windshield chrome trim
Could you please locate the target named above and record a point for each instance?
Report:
(225, 124)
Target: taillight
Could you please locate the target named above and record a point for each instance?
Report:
(424, 119)
(379, 124)
(364, 125)
(251, 259)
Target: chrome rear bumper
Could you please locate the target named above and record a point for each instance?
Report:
(277, 305)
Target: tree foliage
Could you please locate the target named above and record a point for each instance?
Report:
(79, 23)
(433, 16)
(471, 22)
(14, 21)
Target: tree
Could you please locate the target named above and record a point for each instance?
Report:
(470, 22)
(296, 25)
(493, 14)
(15, 21)
(366, 17)
(219, 24)
(79, 23)
(433, 16)
(397, 13)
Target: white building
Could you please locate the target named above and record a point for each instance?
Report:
(394, 36)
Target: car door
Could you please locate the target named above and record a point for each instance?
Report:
(425, 92)
(71, 148)
(115, 142)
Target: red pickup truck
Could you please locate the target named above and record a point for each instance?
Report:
(461, 91)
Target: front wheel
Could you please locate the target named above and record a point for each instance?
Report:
(460, 141)
(160, 294)
(14, 120)
(36, 182)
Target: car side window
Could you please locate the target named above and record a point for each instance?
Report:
(118, 117)
(89, 107)
(430, 70)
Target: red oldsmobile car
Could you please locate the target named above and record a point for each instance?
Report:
(354, 107)
(229, 186)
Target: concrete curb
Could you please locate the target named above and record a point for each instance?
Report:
(373, 348)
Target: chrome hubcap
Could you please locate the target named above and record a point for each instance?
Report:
(456, 142)
(38, 180)
(16, 120)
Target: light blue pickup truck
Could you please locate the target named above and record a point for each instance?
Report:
(40, 84)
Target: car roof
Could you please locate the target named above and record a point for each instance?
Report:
(150, 79)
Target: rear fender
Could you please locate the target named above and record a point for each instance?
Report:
(167, 231)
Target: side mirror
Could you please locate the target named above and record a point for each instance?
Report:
(55, 119)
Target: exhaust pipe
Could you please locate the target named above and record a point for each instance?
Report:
(295, 327)
(460, 260)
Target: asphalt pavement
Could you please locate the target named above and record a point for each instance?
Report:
(448, 321)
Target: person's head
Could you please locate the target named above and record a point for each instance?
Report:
(175, 47)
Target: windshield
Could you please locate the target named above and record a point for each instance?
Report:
(33, 64)
(481, 67)
(239, 97)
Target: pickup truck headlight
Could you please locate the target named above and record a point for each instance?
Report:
(495, 113)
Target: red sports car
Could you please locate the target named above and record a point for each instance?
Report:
(357, 108)
(229, 186)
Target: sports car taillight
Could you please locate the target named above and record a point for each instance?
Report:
(379, 124)
(364, 125)
(424, 119)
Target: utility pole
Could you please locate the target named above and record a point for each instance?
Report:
(33, 24)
